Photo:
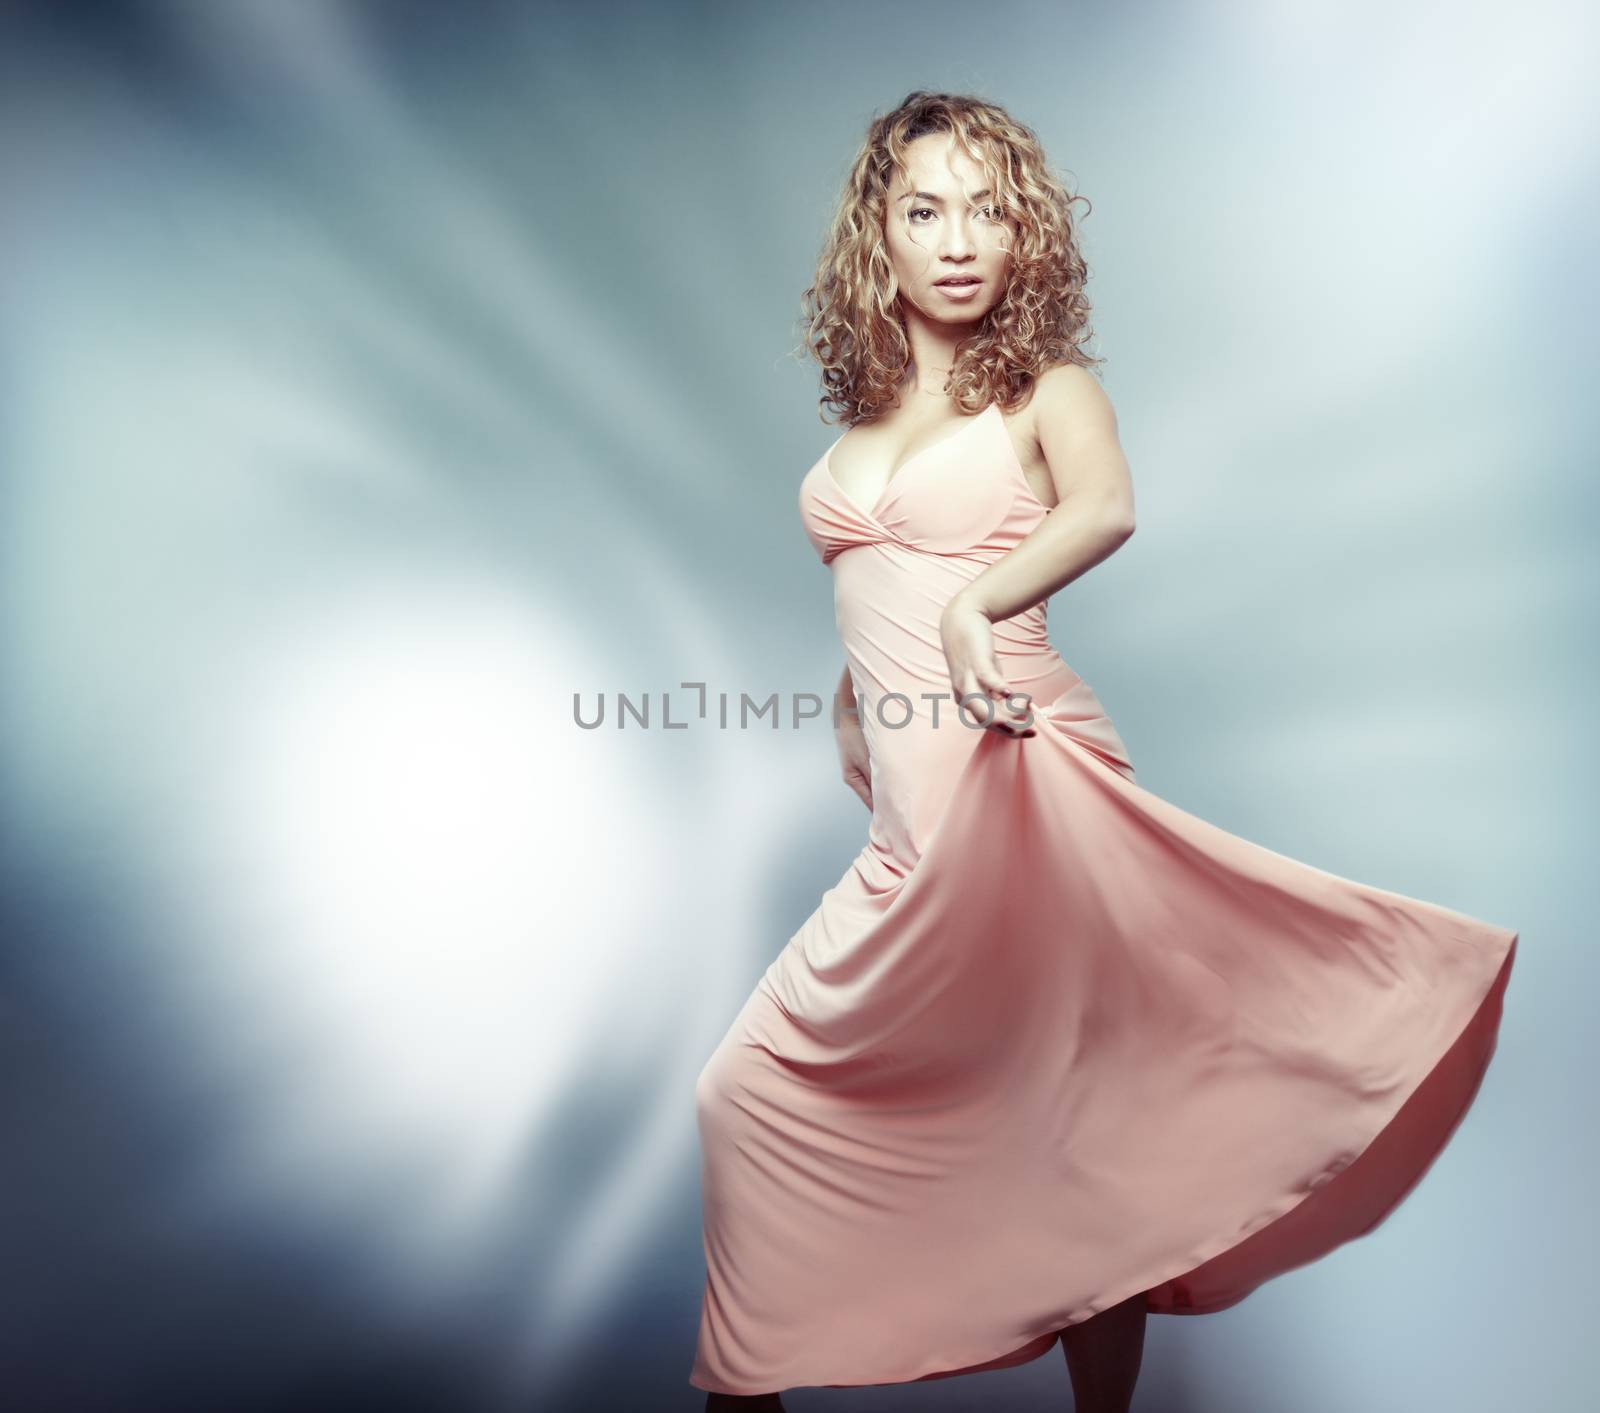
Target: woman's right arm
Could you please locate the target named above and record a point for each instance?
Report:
(855, 761)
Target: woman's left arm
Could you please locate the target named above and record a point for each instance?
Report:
(1093, 517)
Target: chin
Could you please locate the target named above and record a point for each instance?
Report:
(963, 316)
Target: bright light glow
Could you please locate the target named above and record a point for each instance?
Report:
(413, 824)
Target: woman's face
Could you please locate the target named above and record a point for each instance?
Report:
(942, 225)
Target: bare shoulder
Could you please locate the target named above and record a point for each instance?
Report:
(1068, 393)
(1076, 429)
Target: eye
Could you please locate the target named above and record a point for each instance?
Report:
(920, 210)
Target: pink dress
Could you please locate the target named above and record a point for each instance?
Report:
(1051, 1041)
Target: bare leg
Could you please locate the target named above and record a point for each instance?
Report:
(1103, 1355)
(741, 1403)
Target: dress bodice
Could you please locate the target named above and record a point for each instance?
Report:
(964, 495)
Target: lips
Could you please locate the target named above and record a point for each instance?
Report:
(959, 280)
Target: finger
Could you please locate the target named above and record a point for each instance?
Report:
(859, 781)
(1009, 704)
(1014, 712)
(994, 682)
(1021, 707)
(1010, 727)
(971, 699)
(977, 707)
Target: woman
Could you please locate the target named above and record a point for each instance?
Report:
(1053, 1053)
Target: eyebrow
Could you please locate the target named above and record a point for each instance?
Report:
(933, 196)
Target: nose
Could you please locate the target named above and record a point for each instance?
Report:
(956, 241)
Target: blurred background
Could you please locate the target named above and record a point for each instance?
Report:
(375, 378)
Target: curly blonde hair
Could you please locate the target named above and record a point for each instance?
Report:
(854, 327)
